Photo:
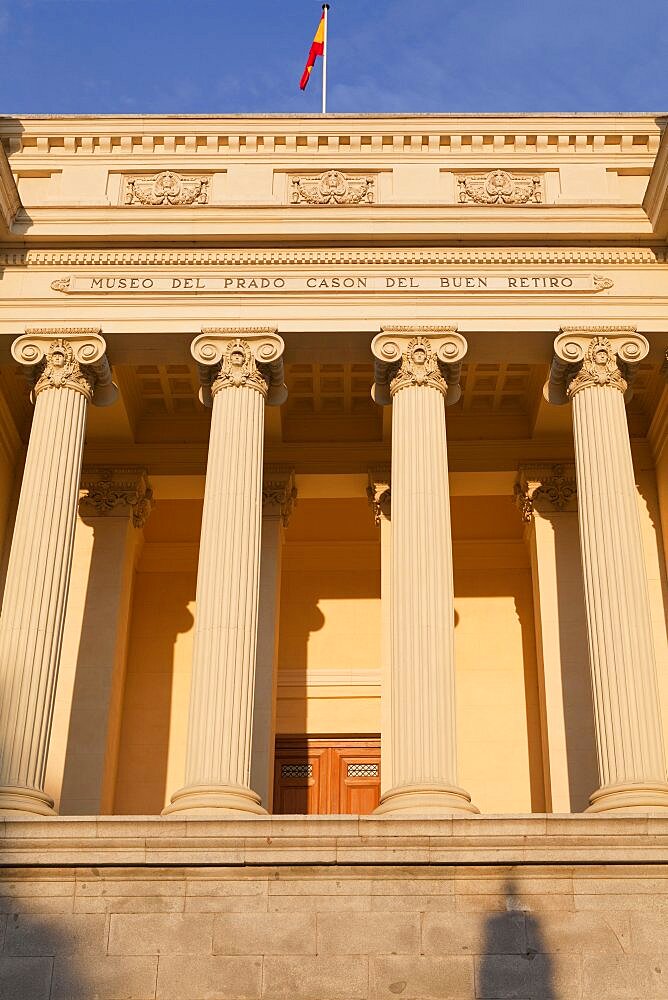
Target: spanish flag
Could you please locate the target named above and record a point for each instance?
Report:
(317, 49)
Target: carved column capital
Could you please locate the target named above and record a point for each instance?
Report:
(596, 356)
(236, 357)
(279, 492)
(546, 489)
(67, 358)
(429, 356)
(379, 493)
(116, 493)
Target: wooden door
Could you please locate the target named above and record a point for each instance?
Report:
(327, 775)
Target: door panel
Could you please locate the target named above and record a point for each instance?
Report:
(327, 775)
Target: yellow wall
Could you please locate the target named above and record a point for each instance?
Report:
(498, 718)
(330, 646)
(330, 626)
(155, 707)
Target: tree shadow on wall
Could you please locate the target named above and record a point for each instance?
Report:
(505, 971)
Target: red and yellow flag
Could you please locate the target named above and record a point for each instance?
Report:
(317, 49)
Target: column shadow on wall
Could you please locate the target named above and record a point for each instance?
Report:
(160, 614)
(512, 965)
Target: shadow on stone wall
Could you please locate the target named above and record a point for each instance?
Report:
(42, 954)
(528, 975)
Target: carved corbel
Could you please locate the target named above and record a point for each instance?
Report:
(279, 492)
(240, 356)
(65, 357)
(417, 355)
(594, 356)
(379, 493)
(116, 493)
(545, 488)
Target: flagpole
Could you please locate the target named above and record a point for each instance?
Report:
(325, 8)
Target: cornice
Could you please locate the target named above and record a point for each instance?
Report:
(601, 256)
(610, 135)
(655, 202)
(10, 201)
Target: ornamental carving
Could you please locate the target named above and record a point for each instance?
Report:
(379, 493)
(116, 491)
(419, 365)
(166, 188)
(599, 367)
(332, 188)
(238, 368)
(588, 356)
(406, 356)
(279, 493)
(61, 284)
(240, 356)
(440, 257)
(498, 187)
(60, 369)
(550, 486)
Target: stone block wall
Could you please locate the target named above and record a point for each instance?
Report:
(335, 932)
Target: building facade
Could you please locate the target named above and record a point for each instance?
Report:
(333, 510)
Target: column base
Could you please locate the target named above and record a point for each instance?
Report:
(17, 800)
(631, 797)
(215, 800)
(426, 800)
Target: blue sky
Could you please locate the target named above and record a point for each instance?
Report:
(236, 56)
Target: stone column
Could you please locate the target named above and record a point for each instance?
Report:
(240, 370)
(380, 497)
(114, 506)
(279, 494)
(418, 371)
(546, 495)
(69, 369)
(592, 367)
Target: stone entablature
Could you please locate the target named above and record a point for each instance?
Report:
(458, 169)
(632, 135)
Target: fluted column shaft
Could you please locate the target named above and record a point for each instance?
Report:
(422, 671)
(220, 721)
(38, 574)
(631, 759)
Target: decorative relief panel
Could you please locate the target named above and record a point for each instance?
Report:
(545, 488)
(498, 187)
(107, 492)
(332, 188)
(165, 188)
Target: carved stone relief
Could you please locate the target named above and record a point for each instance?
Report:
(417, 356)
(599, 367)
(166, 188)
(115, 491)
(498, 187)
(379, 493)
(332, 188)
(545, 487)
(279, 492)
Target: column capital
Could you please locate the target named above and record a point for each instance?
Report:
(107, 492)
(234, 357)
(546, 488)
(67, 357)
(429, 356)
(379, 492)
(594, 356)
(279, 492)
